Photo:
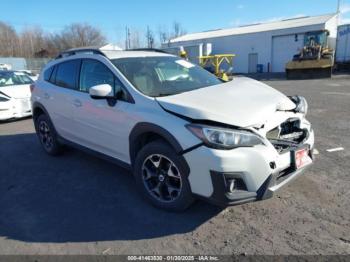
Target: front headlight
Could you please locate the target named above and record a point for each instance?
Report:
(301, 104)
(222, 138)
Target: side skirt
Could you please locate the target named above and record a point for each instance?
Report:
(95, 153)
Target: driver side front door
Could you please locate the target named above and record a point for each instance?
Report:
(101, 126)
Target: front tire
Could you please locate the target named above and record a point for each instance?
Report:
(47, 135)
(162, 177)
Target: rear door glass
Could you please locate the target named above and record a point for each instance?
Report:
(67, 73)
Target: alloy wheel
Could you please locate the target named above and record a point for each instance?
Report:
(161, 178)
(45, 135)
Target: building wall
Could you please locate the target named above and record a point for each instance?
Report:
(260, 43)
(343, 44)
(332, 27)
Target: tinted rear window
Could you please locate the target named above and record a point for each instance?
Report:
(67, 73)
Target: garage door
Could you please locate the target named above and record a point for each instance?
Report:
(283, 50)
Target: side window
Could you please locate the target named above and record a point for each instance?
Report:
(67, 72)
(94, 73)
(119, 90)
(47, 73)
(53, 75)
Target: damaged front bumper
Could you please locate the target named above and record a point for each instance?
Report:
(257, 172)
(223, 197)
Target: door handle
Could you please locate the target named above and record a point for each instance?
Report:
(77, 103)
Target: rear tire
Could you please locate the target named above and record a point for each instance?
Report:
(162, 177)
(47, 135)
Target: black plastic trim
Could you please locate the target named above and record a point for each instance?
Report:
(95, 153)
(221, 197)
(76, 51)
(5, 95)
(263, 192)
(142, 128)
(148, 50)
(39, 105)
(191, 148)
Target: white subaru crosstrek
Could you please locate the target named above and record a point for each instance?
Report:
(184, 133)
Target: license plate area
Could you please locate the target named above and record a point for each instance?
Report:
(301, 157)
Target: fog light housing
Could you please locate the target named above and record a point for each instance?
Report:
(234, 183)
(231, 185)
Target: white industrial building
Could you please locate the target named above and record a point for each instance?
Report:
(271, 44)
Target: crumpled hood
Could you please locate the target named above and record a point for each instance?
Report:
(242, 102)
(17, 91)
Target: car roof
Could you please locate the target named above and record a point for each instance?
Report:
(124, 54)
(114, 54)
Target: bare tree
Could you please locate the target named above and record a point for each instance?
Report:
(78, 35)
(178, 30)
(149, 38)
(135, 40)
(163, 34)
(31, 41)
(8, 40)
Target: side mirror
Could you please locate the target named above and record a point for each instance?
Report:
(101, 91)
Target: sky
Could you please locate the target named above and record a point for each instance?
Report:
(194, 15)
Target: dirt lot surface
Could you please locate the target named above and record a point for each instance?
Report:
(77, 204)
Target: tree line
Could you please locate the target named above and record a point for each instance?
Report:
(35, 42)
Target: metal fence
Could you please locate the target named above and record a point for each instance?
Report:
(20, 63)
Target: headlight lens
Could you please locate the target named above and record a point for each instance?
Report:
(222, 138)
(301, 104)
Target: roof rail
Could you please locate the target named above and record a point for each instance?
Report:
(148, 49)
(76, 51)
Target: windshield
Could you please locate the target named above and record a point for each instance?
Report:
(164, 75)
(14, 78)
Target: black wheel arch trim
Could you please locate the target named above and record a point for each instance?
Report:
(144, 127)
(39, 105)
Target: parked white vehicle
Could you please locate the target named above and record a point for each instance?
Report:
(14, 95)
(29, 73)
(184, 133)
(5, 66)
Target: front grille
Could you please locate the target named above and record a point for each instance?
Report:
(287, 135)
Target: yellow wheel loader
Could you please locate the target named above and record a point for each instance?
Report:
(315, 60)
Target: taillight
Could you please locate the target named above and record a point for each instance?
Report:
(32, 86)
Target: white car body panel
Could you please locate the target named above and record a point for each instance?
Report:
(16, 91)
(19, 105)
(242, 102)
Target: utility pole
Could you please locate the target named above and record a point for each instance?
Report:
(127, 38)
(338, 12)
(148, 37)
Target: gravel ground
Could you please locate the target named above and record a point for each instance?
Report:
(77, 204)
